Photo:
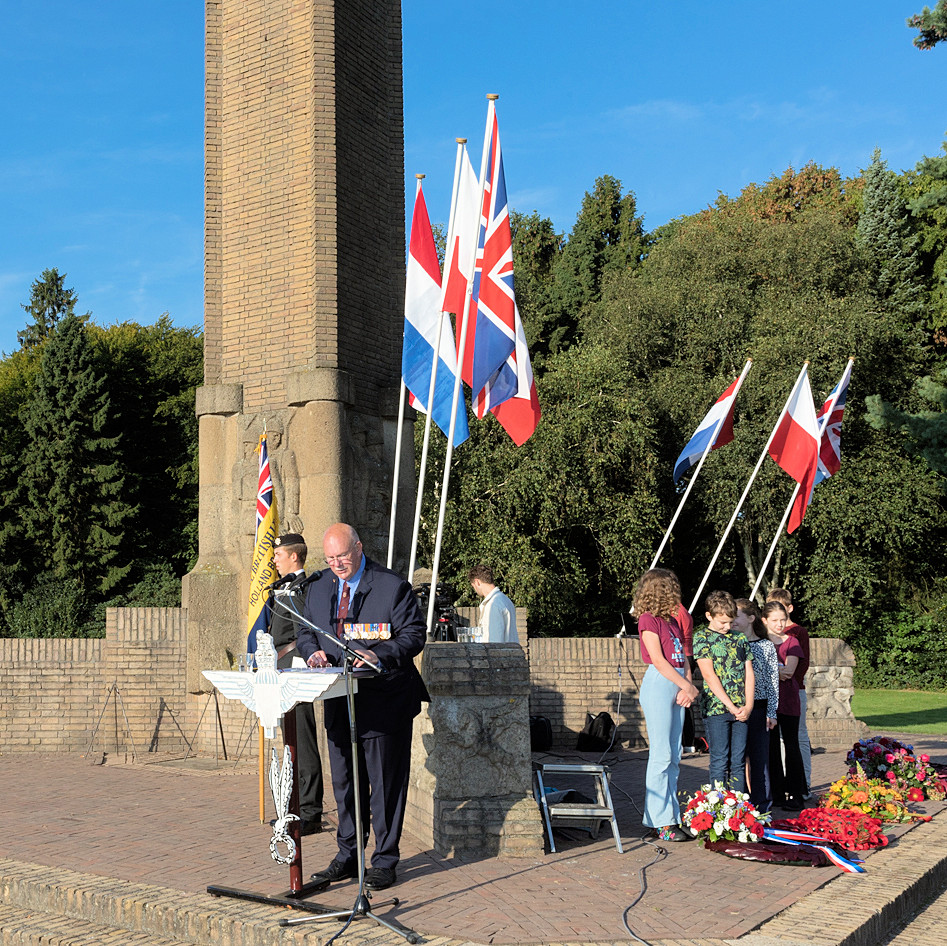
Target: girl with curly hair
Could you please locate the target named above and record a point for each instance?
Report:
(665, 691)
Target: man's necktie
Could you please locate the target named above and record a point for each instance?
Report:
(343, 610)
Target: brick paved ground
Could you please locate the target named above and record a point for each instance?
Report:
(185, 828)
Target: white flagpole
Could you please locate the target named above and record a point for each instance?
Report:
(430, 398)
(395, 475)
(795, 492)
(746, 491)
(469, 272)
(427, 428)
(700, 463)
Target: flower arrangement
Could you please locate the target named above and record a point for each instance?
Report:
(870, 796)
(846, 827)
(716, 813)
(882, 757)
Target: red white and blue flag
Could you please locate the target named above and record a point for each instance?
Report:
(715, 430)
(494, 377)
(795, 446)
(262, 567)
(495, 361)
(830, 417)
(422, 322)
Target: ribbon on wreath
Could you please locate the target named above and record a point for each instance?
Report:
(851, 865)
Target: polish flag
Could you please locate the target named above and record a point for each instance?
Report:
(795, 446)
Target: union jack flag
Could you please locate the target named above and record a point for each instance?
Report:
(494, 364)
(262, 566)
(830, 421)
(264, 490)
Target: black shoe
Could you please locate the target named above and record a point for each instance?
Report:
(378, 878)
(337, 870)
(310, 827)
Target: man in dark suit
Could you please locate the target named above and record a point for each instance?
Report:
(376, 611)
(289, 556)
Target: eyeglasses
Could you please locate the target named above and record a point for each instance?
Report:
(345, 559)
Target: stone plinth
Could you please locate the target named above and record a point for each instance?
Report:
(830, 684)
(471, 773)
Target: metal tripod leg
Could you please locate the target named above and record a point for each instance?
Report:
(362, 907)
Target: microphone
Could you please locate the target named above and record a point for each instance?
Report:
(279, 581)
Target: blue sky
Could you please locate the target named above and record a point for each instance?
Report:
(101, 168)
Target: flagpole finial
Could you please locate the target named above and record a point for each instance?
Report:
(492, 96)
(420, 177)
(461, 141)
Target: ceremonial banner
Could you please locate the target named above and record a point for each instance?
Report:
(262, 568)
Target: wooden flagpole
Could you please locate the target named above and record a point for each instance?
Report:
(746, 491)
(700, 463)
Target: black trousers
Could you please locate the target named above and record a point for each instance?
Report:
(790, 783)
(308, 760)
(384, 765)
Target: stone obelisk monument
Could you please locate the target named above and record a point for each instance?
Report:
(304, 287)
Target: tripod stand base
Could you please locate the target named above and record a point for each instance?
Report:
(288, 898)
(362, 909)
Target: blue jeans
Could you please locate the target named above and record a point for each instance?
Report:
(727, 738)
(665, 720)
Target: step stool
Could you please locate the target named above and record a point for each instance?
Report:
(576, 814)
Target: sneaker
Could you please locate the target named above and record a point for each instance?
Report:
(337, 870)
(689, 750)
(379, 878)
(671, 833)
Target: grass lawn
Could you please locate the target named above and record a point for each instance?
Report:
(907, 711)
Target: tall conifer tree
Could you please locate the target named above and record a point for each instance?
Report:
(74, 512)
(886, 233)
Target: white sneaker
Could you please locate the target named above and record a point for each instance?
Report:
(688, 750)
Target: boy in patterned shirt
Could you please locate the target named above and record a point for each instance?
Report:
(726, 665)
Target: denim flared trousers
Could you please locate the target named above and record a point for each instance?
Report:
(665, 720)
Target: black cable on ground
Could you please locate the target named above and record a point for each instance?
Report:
(660, 854)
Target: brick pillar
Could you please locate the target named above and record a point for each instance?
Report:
(304, 287)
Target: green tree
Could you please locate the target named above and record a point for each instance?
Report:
(927, 187)
(931, 24)
(564, 519)
(778, 275)
(49, 302)
(536, 250)
(887, 238)
(17, 374)
(925, 430)
(152, 373)
(607, 240)
(74, 514)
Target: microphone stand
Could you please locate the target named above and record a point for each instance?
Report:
(362, 906)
